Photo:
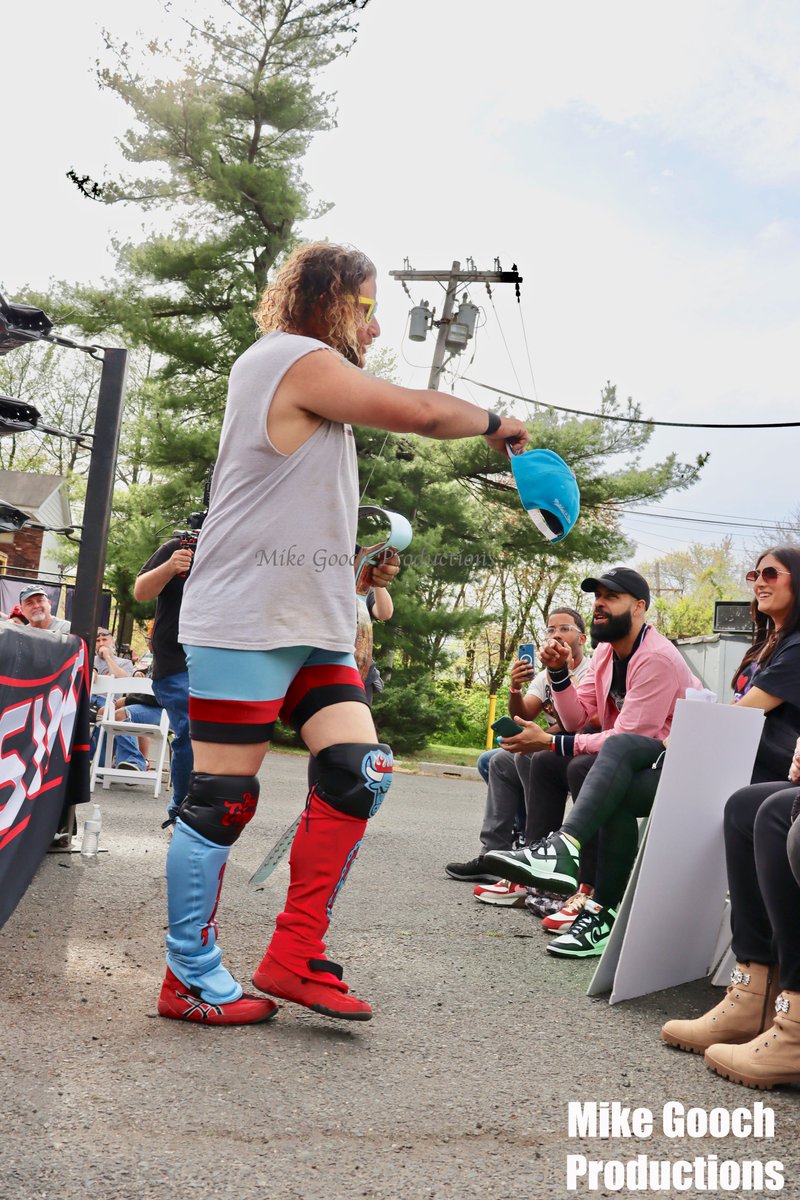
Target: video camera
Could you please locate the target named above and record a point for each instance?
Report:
(188, 537)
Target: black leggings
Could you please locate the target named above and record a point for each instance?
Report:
(620, 787)
(765, 896)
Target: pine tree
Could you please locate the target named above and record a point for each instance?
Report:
(218, 149)
(216, 153)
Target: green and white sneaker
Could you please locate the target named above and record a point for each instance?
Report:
(587, 936)
(552, 863)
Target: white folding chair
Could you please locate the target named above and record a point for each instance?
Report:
(109, 728)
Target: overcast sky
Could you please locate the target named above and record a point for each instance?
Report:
(639, 163)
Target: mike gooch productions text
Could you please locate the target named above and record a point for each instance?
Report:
(641, 1173)
(322, 559)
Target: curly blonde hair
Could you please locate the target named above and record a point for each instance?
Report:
(313, 294)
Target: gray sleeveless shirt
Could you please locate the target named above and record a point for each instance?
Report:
(274, 561)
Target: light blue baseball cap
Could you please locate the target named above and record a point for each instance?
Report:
(548, 490)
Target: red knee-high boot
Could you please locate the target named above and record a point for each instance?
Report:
(294, 967)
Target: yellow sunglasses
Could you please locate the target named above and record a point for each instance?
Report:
(370, 305)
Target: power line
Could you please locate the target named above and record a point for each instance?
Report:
(528, 352)
(672, 538)
(581, 412)
(737, 524)
(700, 512)
(505, 343)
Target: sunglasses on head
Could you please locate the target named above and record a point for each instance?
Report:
(768, 574)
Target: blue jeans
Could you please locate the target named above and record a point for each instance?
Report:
(126, 749)
(483, 763)
(172, 693)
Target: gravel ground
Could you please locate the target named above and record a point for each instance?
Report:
(457, 1088)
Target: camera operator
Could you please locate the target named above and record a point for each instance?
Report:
(161, 579)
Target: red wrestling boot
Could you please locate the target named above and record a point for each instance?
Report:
(183, 1003)
(294, 967)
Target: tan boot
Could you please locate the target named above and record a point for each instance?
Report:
(771, 1057)
(744, 1011)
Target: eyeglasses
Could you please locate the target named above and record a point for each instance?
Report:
(370, 305)
(551, 629)
(768, 574)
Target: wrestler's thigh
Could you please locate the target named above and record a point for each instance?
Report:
(338, 723)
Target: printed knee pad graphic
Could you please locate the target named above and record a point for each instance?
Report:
(354, 777)
(219, 806)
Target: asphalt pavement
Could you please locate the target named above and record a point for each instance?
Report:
(459, 1087)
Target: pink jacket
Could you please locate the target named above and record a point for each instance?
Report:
(657, 677)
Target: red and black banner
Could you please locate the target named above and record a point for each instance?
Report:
(44, 748)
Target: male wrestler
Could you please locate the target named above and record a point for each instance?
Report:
(277, 554)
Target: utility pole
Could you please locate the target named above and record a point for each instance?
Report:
(453, 335)
(454, 278)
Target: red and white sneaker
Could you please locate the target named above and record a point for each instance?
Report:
(504, 894)
(559, 921)
(320, 997)
(181, 1003)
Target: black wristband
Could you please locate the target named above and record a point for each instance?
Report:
(494, 424)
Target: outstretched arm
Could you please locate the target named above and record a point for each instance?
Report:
(322, 385)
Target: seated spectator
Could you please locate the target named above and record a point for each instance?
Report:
(139, 707)
(633, 682)
(508, 773)
(621, 787)
(482, 764)
(739, 1036)
(127, 753)
(34, 605)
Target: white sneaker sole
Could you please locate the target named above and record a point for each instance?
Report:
(565, 952)
(514, 901)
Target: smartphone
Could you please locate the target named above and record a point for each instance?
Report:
(506, 727)
(527, 653)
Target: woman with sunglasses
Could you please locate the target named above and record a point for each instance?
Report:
(267, 623)
(741, 1037)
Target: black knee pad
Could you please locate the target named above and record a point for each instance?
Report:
(354, 777)
(219, 806)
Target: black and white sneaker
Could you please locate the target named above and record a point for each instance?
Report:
(587, 936)
(477, 870)
(551, 863)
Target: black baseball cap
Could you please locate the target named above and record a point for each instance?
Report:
(621, 579)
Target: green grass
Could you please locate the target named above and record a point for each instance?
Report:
(461, 756)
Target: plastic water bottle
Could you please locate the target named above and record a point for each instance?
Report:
(91, 838)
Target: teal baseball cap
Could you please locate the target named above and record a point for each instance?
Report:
(548, 490)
